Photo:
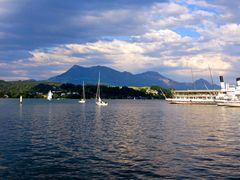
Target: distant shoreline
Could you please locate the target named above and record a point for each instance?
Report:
(35, 89)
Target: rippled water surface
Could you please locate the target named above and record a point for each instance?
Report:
(141, 139)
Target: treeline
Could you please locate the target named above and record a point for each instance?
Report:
(14, 89)
(39, 89)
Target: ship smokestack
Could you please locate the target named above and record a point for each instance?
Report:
(238, 81)
(222, 83)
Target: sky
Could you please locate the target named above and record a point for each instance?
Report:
(43, 38)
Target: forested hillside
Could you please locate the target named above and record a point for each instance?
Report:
(39, 89)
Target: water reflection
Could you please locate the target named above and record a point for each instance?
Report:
(127, 139)
(20, 111)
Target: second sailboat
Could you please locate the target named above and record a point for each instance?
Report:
(99, 101)
(83, 100)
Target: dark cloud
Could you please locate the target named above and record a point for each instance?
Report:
(232, 50)
(33, 24)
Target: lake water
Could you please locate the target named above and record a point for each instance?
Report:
(141, 139)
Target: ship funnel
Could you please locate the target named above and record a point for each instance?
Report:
(238, 81)
(222, 83)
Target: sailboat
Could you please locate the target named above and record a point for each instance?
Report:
(50, 94)
(83, 100)
(99, 101)
(20, 100)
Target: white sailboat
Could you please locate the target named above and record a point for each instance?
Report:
(83, 100)
(20, 100)
(99, 101)
(50, 94)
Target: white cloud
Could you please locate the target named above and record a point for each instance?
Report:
(229, 32)
(163, 48)
(169, 9)
(52, 58)
(164, 35)
(106, 47)
(155, 41)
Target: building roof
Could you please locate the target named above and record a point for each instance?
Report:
(197, 91)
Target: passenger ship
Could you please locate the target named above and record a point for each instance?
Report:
(194, 97)
(228, 95)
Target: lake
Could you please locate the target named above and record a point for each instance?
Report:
(131, 139)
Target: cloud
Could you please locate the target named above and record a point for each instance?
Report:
(43, 23)
(140, 53)
(170, 36)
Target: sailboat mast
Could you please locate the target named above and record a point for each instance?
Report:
(210, 71)
(192, 79)
(98, 87)
(83, 91)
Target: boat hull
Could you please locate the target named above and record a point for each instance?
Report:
(82, 101)
(230, 104)
(192, 101)
(233, 105)
(101, 103)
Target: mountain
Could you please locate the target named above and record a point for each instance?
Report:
(203, 84)
(89, 75)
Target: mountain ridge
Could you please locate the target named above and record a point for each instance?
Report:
(77, 74)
